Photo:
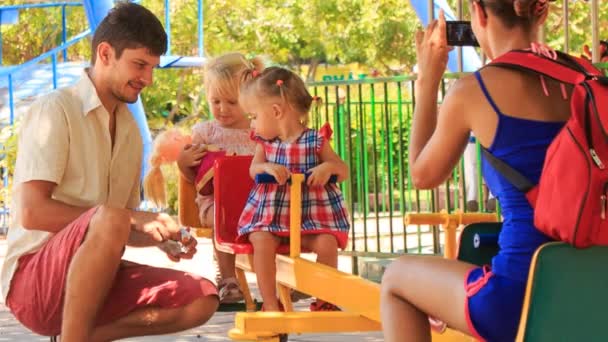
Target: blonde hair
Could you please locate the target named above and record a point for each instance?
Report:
(227, 72)
(166, 149)
(224, 74)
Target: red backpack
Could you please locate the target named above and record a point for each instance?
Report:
(570, 201)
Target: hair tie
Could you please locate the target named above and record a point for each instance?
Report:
(279, 83)
(255, 73)
(540, 6)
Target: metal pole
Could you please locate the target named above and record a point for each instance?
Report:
(566, 27)
(595, 31)
(0, 41)
(168, 26)
(201, 51)
(431, 10)
(64, 33)
(54, 62)
(11, 103)
(459, 49)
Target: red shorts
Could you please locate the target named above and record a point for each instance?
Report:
(37, 289)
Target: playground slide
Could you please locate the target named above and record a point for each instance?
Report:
(470, 58)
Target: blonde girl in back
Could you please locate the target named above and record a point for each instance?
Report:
(230, 131)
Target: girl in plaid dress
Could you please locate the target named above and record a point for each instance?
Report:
(279, 104)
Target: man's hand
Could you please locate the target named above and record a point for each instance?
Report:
(185, 248)
(159, 226)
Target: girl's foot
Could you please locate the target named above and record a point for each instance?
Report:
(321, 305)
(281, 307)
(229, 291)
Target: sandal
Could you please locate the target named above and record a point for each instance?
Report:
(229, 291)
(321, 305)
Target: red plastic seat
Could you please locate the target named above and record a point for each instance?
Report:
(232, 185)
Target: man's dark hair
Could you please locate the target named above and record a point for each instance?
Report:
(130, 26)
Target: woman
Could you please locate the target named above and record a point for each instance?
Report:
(511, 115)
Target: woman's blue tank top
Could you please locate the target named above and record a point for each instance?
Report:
(522, 144)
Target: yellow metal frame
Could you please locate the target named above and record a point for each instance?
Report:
(187, 212)
(362, 312)
(358, 297)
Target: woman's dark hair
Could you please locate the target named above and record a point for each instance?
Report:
(516, 12)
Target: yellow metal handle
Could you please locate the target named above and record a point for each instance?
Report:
(295, 214)
(443, 218)
(449, 223)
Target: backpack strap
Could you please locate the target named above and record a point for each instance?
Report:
(519, 181)
(573, 72)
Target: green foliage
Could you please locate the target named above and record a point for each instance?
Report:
(293, 32)
(39, 30)
(579, 24)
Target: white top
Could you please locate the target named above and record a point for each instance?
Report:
(65, 139)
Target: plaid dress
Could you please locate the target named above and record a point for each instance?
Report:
(323, 208)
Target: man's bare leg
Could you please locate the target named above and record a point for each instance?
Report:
(97, 258)
(157, 321)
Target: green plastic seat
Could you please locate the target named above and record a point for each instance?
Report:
(479, 251)
(567, 295)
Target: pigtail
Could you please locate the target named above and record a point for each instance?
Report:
(166, 149)
(281, 85)
(249, 75)
(315, 104)
(154, 181)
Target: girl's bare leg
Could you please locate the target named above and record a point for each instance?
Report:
(264, 252)
(325, 246)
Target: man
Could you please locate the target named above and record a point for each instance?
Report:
(76, 186)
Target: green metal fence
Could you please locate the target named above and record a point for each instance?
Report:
(371, 120)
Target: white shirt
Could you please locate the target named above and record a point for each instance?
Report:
(65, 139)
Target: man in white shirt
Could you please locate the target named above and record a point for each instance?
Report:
(76, 185)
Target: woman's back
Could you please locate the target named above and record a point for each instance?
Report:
(517, 122)
(524, 122)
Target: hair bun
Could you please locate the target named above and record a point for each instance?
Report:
(530, 8)
(522, 7)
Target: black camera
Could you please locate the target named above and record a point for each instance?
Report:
(460, 33)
